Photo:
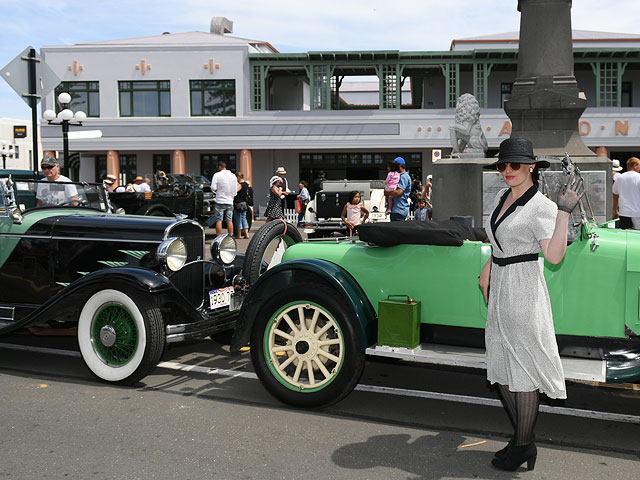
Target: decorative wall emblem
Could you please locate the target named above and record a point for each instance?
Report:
(144, 66)
(211, 66)
(75, 68)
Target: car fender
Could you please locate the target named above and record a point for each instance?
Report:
(306, 270)
(156, 207)
(71, 298)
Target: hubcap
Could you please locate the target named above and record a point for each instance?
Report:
(107, 336)
(304, 346)
(114, 334)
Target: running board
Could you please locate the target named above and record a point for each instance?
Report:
(574, 368)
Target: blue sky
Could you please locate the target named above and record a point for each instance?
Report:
(290, 26)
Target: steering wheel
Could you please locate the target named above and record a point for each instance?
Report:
(74, 203)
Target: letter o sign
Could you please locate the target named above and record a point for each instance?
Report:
(584, 127)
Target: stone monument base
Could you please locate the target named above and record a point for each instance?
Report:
(461, 187)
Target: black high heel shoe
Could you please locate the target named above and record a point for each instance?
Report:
(516, 456)
(503, 453)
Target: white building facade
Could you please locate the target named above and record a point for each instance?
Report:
(182, 102)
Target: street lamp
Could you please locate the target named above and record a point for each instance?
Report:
(6, 152)
(64, 118)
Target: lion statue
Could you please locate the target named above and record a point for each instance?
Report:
(466, 133)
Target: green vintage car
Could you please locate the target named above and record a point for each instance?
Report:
(313, 318)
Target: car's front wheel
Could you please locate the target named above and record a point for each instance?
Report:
(121, 335)
(305, 346)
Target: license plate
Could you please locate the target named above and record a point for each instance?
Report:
(220, 298)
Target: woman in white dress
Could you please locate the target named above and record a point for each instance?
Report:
(521, 350)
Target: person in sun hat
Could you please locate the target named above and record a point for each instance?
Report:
(274, 207)
(140, 185)
(281, 172)
(108, 182)
(615, 168)
(50, 195)
(521, 351)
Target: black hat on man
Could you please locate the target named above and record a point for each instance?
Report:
(517, 150)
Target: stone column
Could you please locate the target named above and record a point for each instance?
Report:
(178, 162)
(544, 105)
(245, 165)
(113, 167)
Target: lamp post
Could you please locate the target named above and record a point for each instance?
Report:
(65, 118)
(6, 152)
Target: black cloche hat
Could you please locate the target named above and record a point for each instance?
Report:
(517, 150)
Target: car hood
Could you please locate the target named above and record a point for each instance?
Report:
(88, 225)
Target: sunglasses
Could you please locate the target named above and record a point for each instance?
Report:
(502, 166)
(47, 167)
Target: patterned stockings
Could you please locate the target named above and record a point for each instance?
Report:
(522, 410)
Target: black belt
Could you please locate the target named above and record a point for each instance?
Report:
(529, 257)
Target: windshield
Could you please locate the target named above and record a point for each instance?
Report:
(33, 194)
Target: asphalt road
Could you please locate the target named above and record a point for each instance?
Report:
(202, 414)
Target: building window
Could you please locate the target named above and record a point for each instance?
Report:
(209, 162)
(145, 99)
(505, 91)
(161, 162)
(128, 168)
(101, 167)
(213, 98)
(85, 96)
(356, 165)
(627, 99)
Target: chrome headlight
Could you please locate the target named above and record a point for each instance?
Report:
(172, 254)
(224, 249)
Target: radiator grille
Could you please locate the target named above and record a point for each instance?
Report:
(190, 279)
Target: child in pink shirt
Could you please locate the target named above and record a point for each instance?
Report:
(352, 212)
(391, 183)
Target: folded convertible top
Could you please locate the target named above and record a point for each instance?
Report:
(443, 232)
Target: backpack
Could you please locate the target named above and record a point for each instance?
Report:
(250, 196)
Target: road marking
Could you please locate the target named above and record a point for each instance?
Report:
(449, 397)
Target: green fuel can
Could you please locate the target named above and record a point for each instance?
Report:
(399, 322)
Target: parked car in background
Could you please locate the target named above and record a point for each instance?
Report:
(323, 214)
(409, 290)
(130, 285)
(173, 194)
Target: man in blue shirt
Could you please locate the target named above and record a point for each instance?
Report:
(400, 209)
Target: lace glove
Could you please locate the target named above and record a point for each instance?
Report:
(570, 194)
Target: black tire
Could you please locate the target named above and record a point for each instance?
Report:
(121, 335)
(250, 217)
(156, 213)
(328, 367)
(267, 236)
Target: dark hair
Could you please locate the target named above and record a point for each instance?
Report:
(304, 183)
(535, 175)
(352, 195)
(393, 166)
(222, 164)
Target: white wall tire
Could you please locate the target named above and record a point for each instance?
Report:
(120, 336)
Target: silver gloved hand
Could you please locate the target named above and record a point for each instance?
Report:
(570, 193)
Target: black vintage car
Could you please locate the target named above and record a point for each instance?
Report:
(171, 195)
(131, 284)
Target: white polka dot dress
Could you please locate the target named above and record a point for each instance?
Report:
(521, 348)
